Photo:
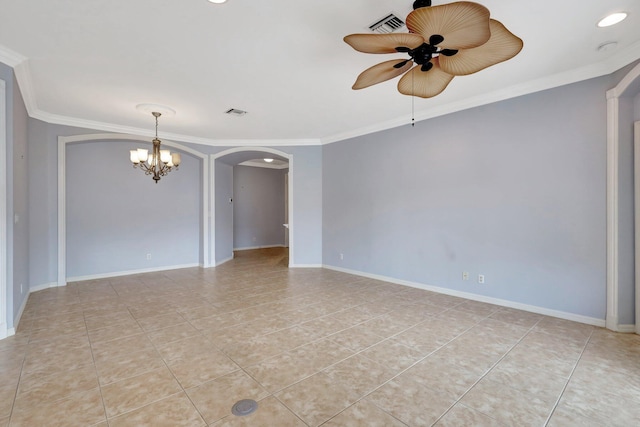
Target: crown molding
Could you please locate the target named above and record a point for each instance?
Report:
(110, 127)
(10, 57)
(571, 76)
(20, 65)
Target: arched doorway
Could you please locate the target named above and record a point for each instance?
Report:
(222, 213)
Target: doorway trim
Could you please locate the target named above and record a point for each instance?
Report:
(62, 197)
(613, 186)
(212, 166)
(3, 213)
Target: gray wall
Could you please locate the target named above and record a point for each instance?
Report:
(258, 207)
(514, 190)
(117, 215)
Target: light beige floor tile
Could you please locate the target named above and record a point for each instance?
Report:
(359, 374)
(172, 333)
(57, 386)
(135, 392)
(185, 348)
(214, 399)
(115, 330)
(57, 362)
(543, 384)
(461, 416)
(196, 369)
(508, 405)
(128, 365)
(536, 357)
(439, 375)
(152, 323)
(107, 319)
(121, 347)
(321, 399)
(399, 397)
(173, 411)
(270, 412)
(592, 403)
(363, 414)
(562, 417)
(357, 337)
(512, 316)
(7, 394)
(4, 422)
(281, 371)
(392, 354)
(84, 408)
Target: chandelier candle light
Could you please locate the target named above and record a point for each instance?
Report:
(160, 162)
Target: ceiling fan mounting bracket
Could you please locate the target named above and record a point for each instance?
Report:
(421, 3)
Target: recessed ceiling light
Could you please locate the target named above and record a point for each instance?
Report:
(217, 1)
(268, 160)
(612, 19)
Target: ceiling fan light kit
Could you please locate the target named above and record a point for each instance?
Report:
(455, 39)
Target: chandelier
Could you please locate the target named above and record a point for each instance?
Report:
(160, 162)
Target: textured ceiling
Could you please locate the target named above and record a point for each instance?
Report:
(89, 63)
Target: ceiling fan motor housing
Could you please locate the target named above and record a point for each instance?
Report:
(421, 3)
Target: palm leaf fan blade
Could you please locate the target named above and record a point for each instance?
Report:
(463, 25)
(502, 46)
(425, 84)
(382, 72)
(383, 43)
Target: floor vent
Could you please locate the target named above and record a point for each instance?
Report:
(235, 112)
(388, 24)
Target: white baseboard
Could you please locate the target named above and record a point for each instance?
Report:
(16, 320)
(224, 261)
(130, 272)
(43, 287)
(306, 266)
(626, 329)
(481, 298)
(250, 248)
(4, 332)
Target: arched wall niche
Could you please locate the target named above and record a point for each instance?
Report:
(204, 197)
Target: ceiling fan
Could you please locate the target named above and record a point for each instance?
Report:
(455, 39)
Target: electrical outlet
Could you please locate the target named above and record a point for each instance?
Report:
(148, 256)
(480, 278)
(465, 275)
(341, 257)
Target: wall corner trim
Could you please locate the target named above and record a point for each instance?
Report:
(613, 148)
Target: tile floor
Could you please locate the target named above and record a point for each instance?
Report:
(313, 347)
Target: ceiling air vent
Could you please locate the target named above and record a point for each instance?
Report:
(235, 112)
(388, 24)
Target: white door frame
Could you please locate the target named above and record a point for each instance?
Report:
(62, 216)
(613, 185)
(3, 212)
(223, 153)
